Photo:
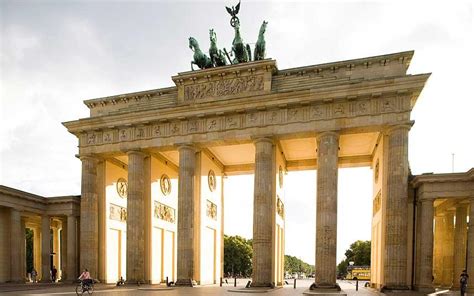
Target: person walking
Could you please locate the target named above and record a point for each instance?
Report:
(54, 274)
(463, 281)
(34, 274)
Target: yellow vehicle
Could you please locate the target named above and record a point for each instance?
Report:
(361, 273)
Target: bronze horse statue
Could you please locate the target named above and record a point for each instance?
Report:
(200, 58)
(259, 52)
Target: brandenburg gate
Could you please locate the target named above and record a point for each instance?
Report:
(153, 164)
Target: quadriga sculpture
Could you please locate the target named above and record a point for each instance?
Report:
(216, 55)
(200, 58)
(259, 52)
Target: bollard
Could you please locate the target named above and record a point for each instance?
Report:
(294, 284)
(357, 284)
(235, 282)
(220, 284)
(167, 282)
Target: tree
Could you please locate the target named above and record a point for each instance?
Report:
(359, 253)
(237, 256)
(293, 264)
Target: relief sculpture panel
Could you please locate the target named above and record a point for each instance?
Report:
(225, 87)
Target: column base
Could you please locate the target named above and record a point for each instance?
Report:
(262, 285)
(394, 288)
(325, 290)
(185, 283)
(425, 289)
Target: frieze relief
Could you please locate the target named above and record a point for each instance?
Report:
(321, 111)
(211, 210)
(280, 208)
(377, 202)
(164, 212)
(118, 213)
(224, 87)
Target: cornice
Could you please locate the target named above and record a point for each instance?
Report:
(443, 178)
(374, 88)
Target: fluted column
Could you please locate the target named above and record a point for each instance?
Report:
(448, 250)
(71, 264)
(45, 249)
(395, 259)
(437, 252)
(460, 240)
(326, 210)
(16, 240)
(470, 249)
(186, 215)
(89, 242)
(426, 246)
(63, 249)
(263, 211)
(136, 217)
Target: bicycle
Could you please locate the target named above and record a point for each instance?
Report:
(83, 287)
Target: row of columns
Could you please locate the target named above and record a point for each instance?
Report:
(395, 258)
(443, 265)
(42, 247)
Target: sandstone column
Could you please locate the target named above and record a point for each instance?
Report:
(45, 249)
(71, 264)
(186, 212)
(16, 246)
(470, 249)
(326, 210)
(395, 259)
(136, 217)
(460, 240)
(426, 247)
(448, 250)
(263, 211)
(437, 252)
(63, 249)
(89, 245)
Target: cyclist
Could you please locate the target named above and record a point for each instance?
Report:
(85, 277)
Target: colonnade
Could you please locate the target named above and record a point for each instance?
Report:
(53, 243)
(444, 237)
(264, 265)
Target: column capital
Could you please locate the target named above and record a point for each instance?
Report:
(137, 152)
(393, 128)
(334, 133)
(89, 157)
(268, 139)
(187, 146)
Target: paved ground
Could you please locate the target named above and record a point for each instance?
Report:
(103, 290)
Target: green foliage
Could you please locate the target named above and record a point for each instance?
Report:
(237, 256)
(359, 253)
(29, 249)
(293, 264)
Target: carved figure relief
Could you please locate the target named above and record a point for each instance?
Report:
(164, 212)
(165, 184)
(123, 135)
(118, 213)
(192, 126)
(234, 86)
(211, 180)
(91, 139)
(376, 204)
(212, 124)
(280, 176)
(211, 211)
(107, 137)
(280, 208)
(376, 171)
(175, 128)
(316, 112)
(122, 187)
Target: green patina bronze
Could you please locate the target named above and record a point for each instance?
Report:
(217, 56)
(200, 59)
(240, 51)
(259, 52)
